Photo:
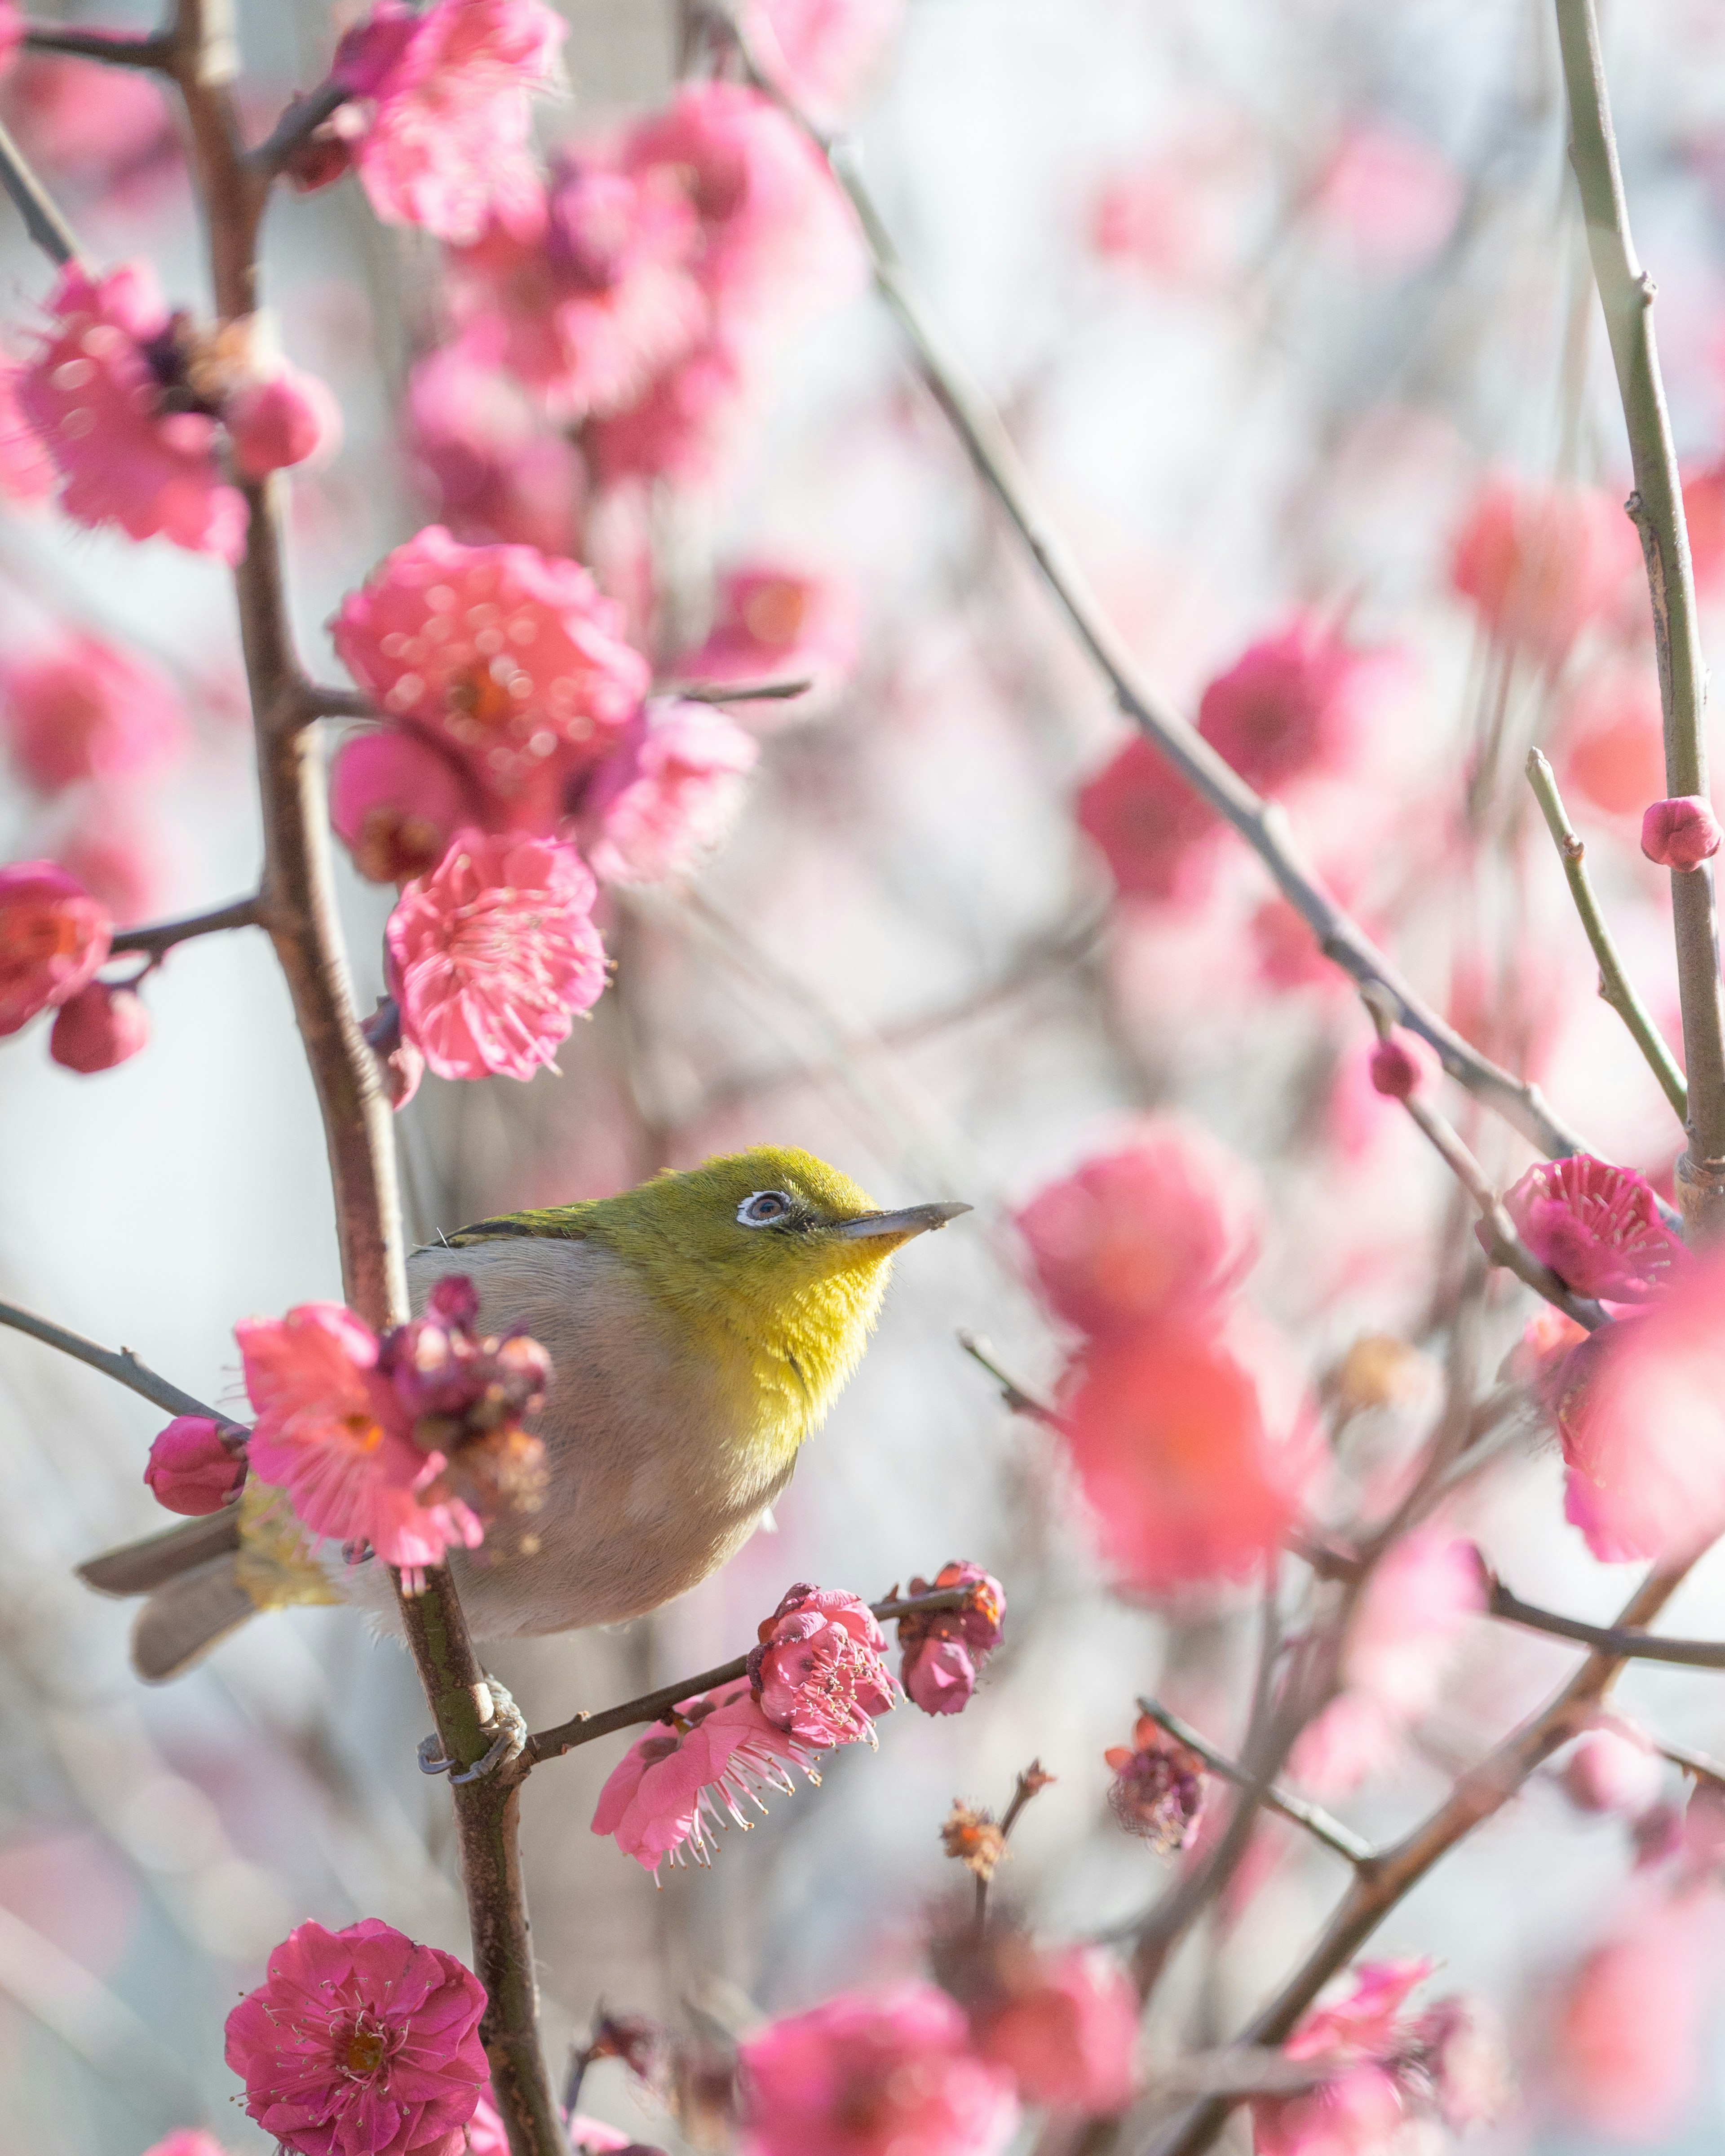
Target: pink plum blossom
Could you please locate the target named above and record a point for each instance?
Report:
(1613, 738)
(83, 709)
(1291, 705)
(511, 660)
(1193, 1446)
(1543, 562)
(942, 1650)
(685, 426)
(1613, 1769)
(1067, 2029)
(1398, 1070)
(1167, 1224)
(117, 853)
(490, 465)
(674, 1785)
(331, 1433)
(283, 418)
(27, 474)
(442, 135)
(819, 51)
(1681, 833)
(187, 2141)
(361, 2043)
(1394, 197)
(1148, 823)
(667, 793)
(106, 135)
(1362, 2108)
(779, 624)
(1159, 1789)
(53, 938)
(196, 1465)
(396, 801)
(889, 2073)
(1597, 1226)
(95, 394)
(99, 1027)
(493, 953)
(817, 1670)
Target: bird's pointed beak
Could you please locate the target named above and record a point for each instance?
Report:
(899, 1227)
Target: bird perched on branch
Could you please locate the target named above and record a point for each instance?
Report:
(699, 1329)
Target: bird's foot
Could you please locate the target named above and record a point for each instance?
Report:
(505, 1725)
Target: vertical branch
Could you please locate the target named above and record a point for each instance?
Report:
(1626, 295)
(298, 908)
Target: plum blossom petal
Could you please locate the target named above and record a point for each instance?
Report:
(667, 795)
(817, 1670)
(1597, 1226)
(83, 709)
(53, 938)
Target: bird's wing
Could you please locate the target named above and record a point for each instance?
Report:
(564, 1221)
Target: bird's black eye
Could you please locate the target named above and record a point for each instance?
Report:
(762, 1207)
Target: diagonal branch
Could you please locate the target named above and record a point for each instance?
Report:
(242, 913)
(112, 48)
(1626, 1643)
(123, 1368)
(1316, 1821)
(1011, 1393)
(42, 215)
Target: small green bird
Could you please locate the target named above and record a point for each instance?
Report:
(699, 1328)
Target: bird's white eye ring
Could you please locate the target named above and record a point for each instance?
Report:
(762, 1208)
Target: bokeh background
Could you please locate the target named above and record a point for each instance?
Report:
(1266, 292)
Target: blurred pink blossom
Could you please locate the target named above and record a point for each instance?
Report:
(1542, 562)
(1167, 1224)
(53, 938)
(443, 131)
(119, 854)
(668, 792)
(94, 396)
(284, 418)
(329, 1433)
(103, 132)
(1597, 1226)
(1362, 2108)
(1177, 215)
(84, 709)
(1613, 1769)
(196, 1465)
(1293, 704)
(686, 427)
(942, 1650)
(1613, 739)
(1066, 2029)
(889, 2073)
(1393, 197)
(396, 801)
(817, 1670)
(1159, 1789)
(1704, 513)
(1398, 1069)
(820, 51)
(187, 2141)
(493, 953)
(671, 1786)
(359, 2043)
(99, 1027)
(491, 467)
(28, 473)
(1148, 823)
(776, 623)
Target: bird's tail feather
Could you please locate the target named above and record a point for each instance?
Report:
(185, 1616)
(141, 1567)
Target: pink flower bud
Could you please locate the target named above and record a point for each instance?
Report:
(53, 938)
(1681, 833)
(98, 1028)
(282, 421)
(942, 1650)
(196, 1463)
(1395, 1073)
(395, 802)
(1613, 1769)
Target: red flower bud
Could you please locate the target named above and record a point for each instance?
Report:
(1395, 1073)
(98, 1028)
(1681, 833)
(196, 1463)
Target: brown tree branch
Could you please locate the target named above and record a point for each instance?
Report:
(1012, 1393)
(113, 48)
(296, 126)
(1316, 1821)
(123, 1368)
(1656, 506)
(43, 220)
(1626, 1644)
(733, 692)
(1032, 1781)
(242, 913)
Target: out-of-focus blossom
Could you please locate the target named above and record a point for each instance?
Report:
(1613, 736)
(942, 1650)
(396, 801)
(1193, 1447)
(282, 419)
(53, 938)
(1613, 1769)
(774, 623)
(187, 2141)
(96, 396)
(1681, 833)
(819, 51)
(1175, 216)
(1704, 513)
(1167, 1224)
(442, 124)
(1159, 1789)
(817, 1669)
(1641, 1413)
(889, 2073)
(361, 2043)
(196, 1463)
(586, 293)
(667, 793)
(1397, 1071)
(686, 427)
(27, 474)
(331, 1433)
(84, 709)
(1543, 562)
(117, 853)
(514, 660)
(1394, 197)
(493, 953)
(1537, 1358)
(1291, 705)
(674, 1785)
(99, 1027)
(95, 132)
(492, 469)
(1148, 823)
(1065, 2026)
(1597, 1226)
(1627, 2046)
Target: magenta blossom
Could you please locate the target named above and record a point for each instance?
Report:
(53, 938)
(817, 1669)
(196, 1463)
(284, 418)
(84, 709)
(493, 953)
(98, 1028)
(1066, 2027)
(1681, 833)
(396, 801)
(1597, 1227)
(1291, 705)
(668, 794)
(96, 394)
(944, 1649)
(686, 427)
(884, 2074)
(1159, 1789)
(673, 1786)
(359, 2043)
(486, 460)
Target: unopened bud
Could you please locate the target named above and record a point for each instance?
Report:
(196, 1463)
(98, 1028)
(1681, 833)
(1395, 1074)
(281, 421)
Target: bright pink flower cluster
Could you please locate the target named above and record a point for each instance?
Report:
(361, 2043)
(132, 404)
(817, 1670)
(196, 1463)
(943, 1650)
(1597, 1227)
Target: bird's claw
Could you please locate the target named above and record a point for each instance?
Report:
(509, 1741)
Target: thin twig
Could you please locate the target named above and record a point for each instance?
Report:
(654, 1706)
(1627, 1644)
(123, 1368)
(1032, 1781)
(112, 48)
(1261, 823)
(42, 220)
(1656, 506)
(1316, 1822)
(242, 913)
(296, 126)
(1616, 987)
(1695, 1763)
(726, 692)
(1011, 1391)
(318, 701)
